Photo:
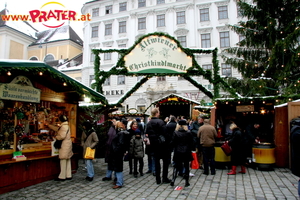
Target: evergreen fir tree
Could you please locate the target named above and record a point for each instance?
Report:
(270, 48)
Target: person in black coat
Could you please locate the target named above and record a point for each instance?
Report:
(171, 126)
(154, 128)
(182, 142)
(150, 156)
(133, 128)
(238, 143)
(295, 152)
(115, 158)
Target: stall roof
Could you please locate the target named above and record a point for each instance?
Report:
(170, 96)
(51, 78)
(285, 104)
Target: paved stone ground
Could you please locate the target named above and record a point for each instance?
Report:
(254, 185)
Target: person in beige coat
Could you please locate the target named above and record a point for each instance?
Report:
(65, 152)
(90, 139)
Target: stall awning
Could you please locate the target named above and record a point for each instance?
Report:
(175, 98)
(49, 77)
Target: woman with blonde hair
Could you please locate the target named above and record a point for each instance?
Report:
(182, 142)
(238, 145)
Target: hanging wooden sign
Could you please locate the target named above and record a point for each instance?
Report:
(157, 54)
(20, 89)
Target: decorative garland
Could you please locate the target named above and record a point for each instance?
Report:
(195, 70)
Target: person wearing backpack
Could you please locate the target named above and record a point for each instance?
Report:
(90, 139)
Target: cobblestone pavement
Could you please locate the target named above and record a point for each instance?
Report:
(254, 185)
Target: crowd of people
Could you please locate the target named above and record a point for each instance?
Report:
(165, 142)
(169, 141)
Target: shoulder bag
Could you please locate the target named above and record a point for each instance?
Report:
(58, 143)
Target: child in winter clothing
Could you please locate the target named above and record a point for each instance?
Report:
(137, 151)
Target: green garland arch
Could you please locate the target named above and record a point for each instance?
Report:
(195, 70)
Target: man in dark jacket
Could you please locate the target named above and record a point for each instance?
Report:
(154, 128)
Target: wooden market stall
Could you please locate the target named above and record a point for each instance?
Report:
(245, 112)
(31, 93)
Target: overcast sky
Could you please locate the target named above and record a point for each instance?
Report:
(24, 6)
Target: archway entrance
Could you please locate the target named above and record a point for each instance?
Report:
(158, 55)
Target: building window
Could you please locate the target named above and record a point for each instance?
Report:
(122, 27)
(205, 40)
(204, 14)
(142, 23)
(95, 31)
(226, 70)
(160, 1)
(121, 46)
(182, 40)
(121, 80)
(161, 78)
(107, 81)
(92, 57)
(108, 29)
(241, 37)
(239, 13)
(207, 67)
(224, 39)
(92, 78)
(107, 56)
(161, 20)
(180, 78)
(141, 108)
(180, 17)
(48, 58)
(142, 3)
(95, 12)
(123, 6)
(108, 9)
(222, 11)
(33, 58)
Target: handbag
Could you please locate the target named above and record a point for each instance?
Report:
(194, 163)
(226, 148)
(57, 143)
(89, 153)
